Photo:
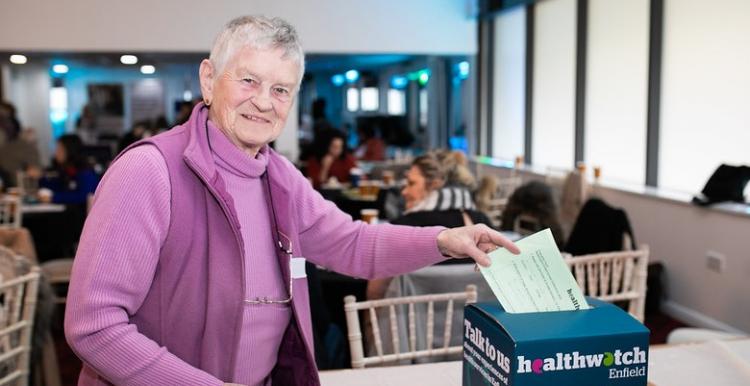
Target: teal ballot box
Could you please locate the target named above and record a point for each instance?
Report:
(603, 345)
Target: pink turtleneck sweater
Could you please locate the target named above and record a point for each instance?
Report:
(243, 177)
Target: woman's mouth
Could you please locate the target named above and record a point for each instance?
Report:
(255, 118)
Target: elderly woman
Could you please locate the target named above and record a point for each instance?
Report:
(190, 270)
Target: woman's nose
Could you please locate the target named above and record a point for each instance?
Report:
(262, 101)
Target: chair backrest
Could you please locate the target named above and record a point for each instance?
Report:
(57, 272)
(89, 202)
(18, 297)
(555, 178)
(10, 211)
(526, 224)
(573, 195)
(19, 240)
(507, 185)
(503, 190)
(356, 345)
(27, 185)
(435, 279)
(614, 277)
(535, 202)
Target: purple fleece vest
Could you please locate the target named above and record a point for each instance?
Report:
(195, 303)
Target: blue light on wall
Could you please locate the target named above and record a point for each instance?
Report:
(60, 69)
(423, 77)
(58, 108)
(463, 70)
(459, 143)
(399, 81)
(352, 76)
(338, 80)
(57, 116)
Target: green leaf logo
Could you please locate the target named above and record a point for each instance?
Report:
(608, 359)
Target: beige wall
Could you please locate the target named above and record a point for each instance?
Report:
(679, 235)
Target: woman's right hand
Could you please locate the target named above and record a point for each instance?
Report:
(327, 161)
(325, 166)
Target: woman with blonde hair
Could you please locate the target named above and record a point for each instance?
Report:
(429, 202)
(456, 167)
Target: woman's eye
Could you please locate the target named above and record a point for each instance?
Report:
(282, 91)
(249, 80)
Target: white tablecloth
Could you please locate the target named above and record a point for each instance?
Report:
(720, 363)
(42, 208)
(430, 374)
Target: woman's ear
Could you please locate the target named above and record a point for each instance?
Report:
(206, 75)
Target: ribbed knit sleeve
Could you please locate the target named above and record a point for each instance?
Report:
(113, 271)
(331, 239)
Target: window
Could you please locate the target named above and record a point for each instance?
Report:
(705, 92)
(423, 107)
(396, 102)
(370, 100)
(553, 113)
(509, 88)
(352, 99)
(617, 89)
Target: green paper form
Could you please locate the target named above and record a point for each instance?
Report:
(536, 280)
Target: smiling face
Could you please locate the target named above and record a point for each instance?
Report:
(251, 98)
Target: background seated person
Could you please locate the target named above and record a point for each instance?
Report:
(535, 200)
(17, 155)
(331, 159)
(140, 130)
(70, 178)
(428, 203)
(371, 148)
(432, 199)
(456, 167)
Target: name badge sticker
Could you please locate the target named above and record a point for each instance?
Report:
(297, 267)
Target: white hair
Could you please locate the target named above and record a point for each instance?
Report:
(257, 32)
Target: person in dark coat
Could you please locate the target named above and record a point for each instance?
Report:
(599, 228)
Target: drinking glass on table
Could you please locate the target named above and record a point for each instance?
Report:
(45, 195)
(388, 177)
(369, 216)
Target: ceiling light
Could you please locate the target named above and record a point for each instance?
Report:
(338, 80)
(399, 81)
(60, 69)
(352, 76)
(18, 59)
(148, 69)
(128, 59)
(463, 69)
